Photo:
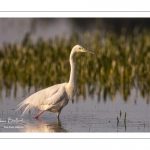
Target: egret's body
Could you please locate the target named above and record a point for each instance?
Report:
(56, 97)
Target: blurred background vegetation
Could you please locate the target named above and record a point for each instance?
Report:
(121, 63)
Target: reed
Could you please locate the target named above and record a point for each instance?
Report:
(121, 63)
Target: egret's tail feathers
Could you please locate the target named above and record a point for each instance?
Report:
(23, 104)
(20, 105)
(26, 106)
(26, 110)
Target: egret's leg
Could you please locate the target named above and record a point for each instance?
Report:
(58, 115)
(39, 114)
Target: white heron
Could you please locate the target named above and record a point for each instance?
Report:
(56, 97)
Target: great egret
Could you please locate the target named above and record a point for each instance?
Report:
(56, 97)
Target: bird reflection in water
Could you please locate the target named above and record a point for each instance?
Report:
(42, 126)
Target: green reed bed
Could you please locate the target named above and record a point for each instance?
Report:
(121, 63)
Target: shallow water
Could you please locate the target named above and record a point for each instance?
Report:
(80, 116)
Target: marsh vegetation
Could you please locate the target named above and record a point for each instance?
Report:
(121, 63)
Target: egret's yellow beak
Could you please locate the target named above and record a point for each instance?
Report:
(84, 50)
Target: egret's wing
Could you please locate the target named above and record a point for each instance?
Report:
(56, 98)
(40, 98)
(52, 101)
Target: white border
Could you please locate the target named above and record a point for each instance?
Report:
(77, 5)
(75, 144)
(75, 14)
(100, 135)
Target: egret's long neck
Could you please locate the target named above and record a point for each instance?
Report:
(72, 80)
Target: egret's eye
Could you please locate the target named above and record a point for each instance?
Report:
(80, 48)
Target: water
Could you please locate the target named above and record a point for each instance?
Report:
(79, 116)
(14, 29)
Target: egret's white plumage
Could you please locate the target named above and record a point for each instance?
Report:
(54, 98)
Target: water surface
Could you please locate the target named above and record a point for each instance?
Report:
(81, 116)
